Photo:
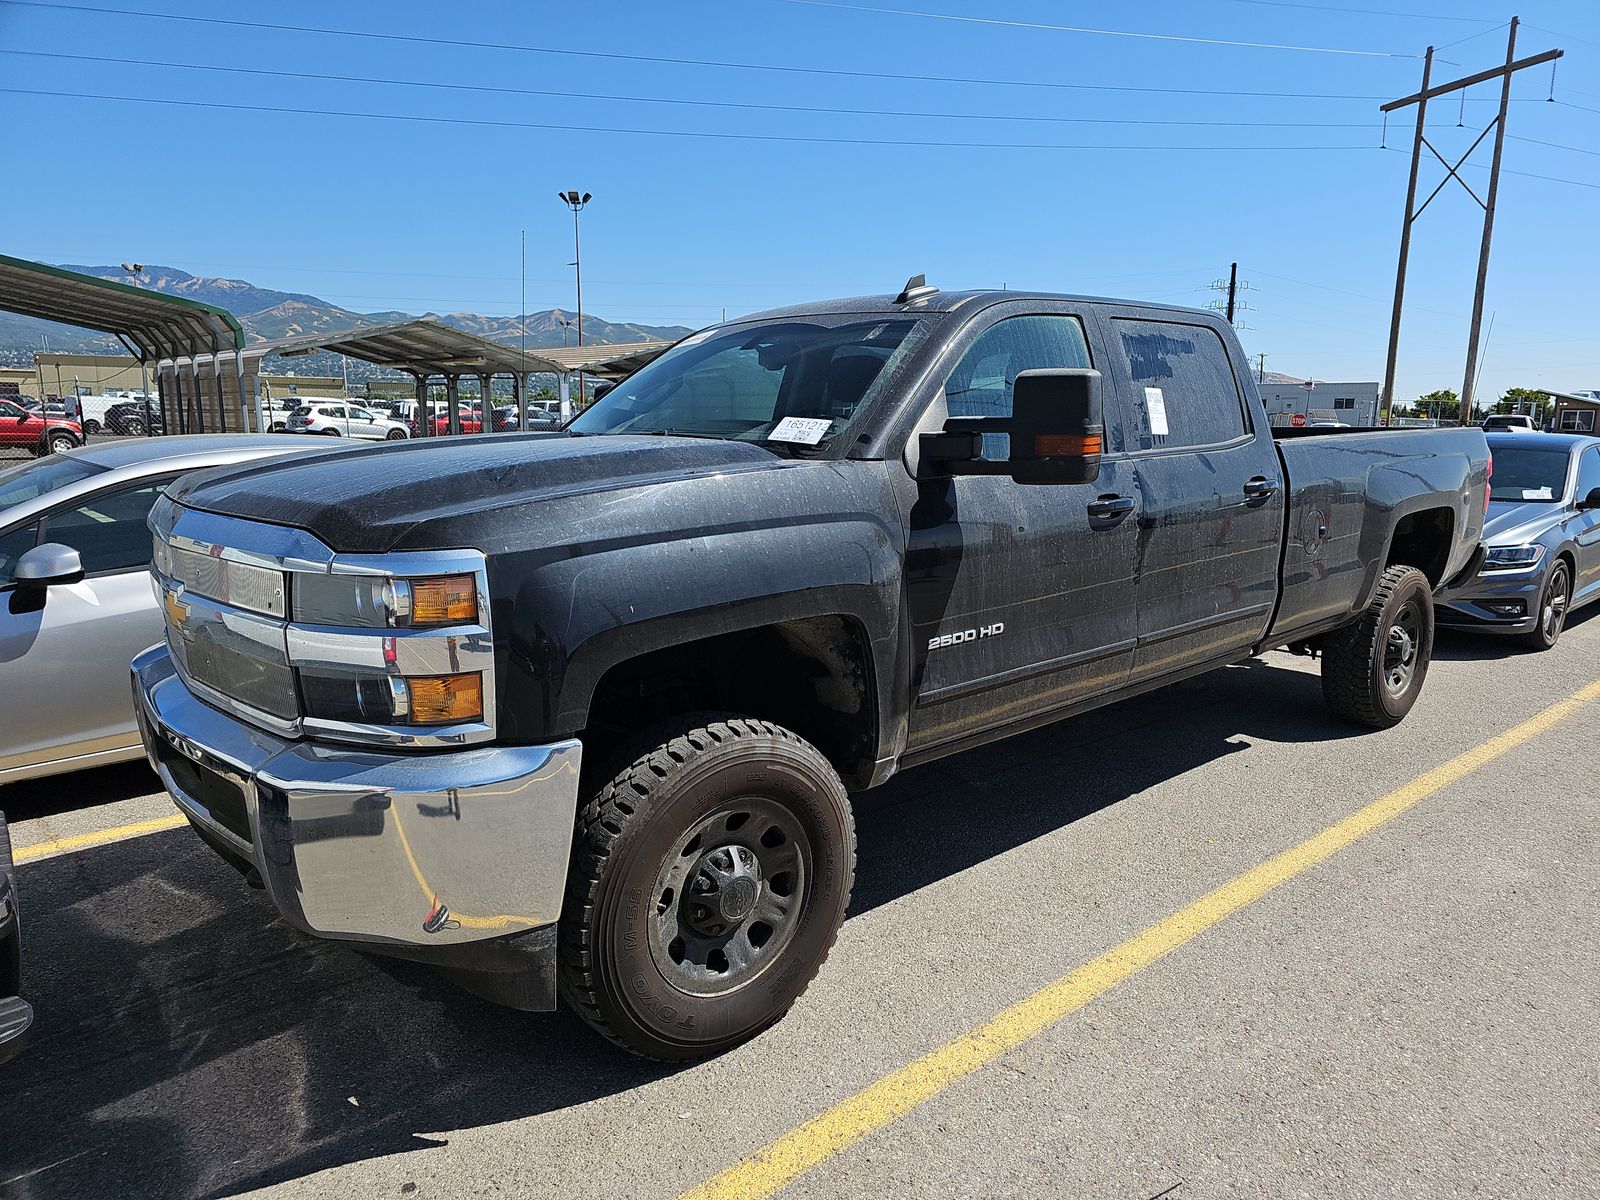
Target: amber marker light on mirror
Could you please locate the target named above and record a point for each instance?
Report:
(1062, 445)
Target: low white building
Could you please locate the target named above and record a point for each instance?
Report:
(1317, 400)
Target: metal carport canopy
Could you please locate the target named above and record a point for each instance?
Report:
(151, 325)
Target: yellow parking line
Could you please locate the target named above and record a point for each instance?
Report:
(784, 1160)
(99, 837)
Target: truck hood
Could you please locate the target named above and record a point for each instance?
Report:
(404, 494)
(1510, 523)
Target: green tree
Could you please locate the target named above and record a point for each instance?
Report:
(1442, 405)
(1530, 400)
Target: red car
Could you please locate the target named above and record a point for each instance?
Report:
(471, 422)
(37, 432)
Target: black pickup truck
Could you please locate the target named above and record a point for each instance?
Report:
(582, 711)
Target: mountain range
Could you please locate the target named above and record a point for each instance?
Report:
(267, 314)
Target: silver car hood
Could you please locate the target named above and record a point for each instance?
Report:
(1513, 523)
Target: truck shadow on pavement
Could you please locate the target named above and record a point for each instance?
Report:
(188, 1044)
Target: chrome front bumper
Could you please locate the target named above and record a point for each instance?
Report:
(409, 851)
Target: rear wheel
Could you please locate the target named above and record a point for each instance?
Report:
(1553, 604)
(1373, 668)
(395, 435)
(330, 433)
(709, 880)
(90, 428)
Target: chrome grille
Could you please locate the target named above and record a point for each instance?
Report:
(216, 578)
(237, 655)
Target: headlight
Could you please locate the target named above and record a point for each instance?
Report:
(376, 602)
(394, 699)
(1507, 558)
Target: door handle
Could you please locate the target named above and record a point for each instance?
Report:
(1260, 486)
(1110, 506)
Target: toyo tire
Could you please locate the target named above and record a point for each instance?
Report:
(709, 880)
(1373, 668)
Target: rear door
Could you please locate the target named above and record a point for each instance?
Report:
(68, 649)
(1021, 597)
(1211, 493)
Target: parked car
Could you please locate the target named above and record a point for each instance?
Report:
(16, 1015)
(75, 597)
(1509, 421)
(135, 418)
(623, 680)
(334, 419)
(1543, 538)
(470, 417)
(38, 432)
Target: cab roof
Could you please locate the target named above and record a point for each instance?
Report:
(937, 302)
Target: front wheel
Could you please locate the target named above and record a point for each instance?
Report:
(1552, 614)
(58, 443)
(709, 880)
(1373, 668)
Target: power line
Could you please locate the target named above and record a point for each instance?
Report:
(1366, 12)
(483, 122)
(612, 56)
(730, 104)
(1037, 25)
(1508, 171)
(1553, 145)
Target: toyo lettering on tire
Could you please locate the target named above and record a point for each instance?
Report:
(709, 879)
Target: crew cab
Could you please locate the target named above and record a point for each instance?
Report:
(40, 432)
(583, 710)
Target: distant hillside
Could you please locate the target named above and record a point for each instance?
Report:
(267, 314)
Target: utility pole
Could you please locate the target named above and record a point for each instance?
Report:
(1230, 289)
(1420, 98)
(1261, 368)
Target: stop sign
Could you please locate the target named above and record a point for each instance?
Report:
(1298, 420)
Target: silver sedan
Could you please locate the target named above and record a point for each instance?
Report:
(76, 602)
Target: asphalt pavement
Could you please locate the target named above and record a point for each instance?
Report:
(1415, 1016)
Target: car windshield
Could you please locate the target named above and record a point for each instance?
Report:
(34, 479)
(1524, 475)
(798, 382)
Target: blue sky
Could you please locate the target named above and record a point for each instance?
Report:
(1141, 193)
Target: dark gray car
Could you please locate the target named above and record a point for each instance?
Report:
(1543, 539)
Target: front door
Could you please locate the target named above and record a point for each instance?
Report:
(1585, 529)
(1211, 493)
(1021, 597)
(66, 650)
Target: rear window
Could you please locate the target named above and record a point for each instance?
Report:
(1184, 391)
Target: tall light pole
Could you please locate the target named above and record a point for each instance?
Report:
(576, 201)
(133, 270)
(565, 325)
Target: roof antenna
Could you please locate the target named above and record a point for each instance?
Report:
(917, 288)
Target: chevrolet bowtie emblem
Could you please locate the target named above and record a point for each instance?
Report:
(177, 610)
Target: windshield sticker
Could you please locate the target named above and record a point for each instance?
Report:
(1156, 405)
(1538, 493)
(807, 431)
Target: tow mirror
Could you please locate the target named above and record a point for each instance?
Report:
(47, 565)
(1056, 429)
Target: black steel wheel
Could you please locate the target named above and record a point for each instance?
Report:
(1374, 667)
(1553, 604)
(709, 880)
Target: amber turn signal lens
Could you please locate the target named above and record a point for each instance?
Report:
(1062, 445)
(445, 699)
(444, 600)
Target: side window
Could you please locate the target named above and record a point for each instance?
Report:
(10, 410)
(108, 531)
(14, 543)
(1184, 392)
(360, 414)
(981, 383)
(1588, 472)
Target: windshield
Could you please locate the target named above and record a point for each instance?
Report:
(1507, 422)
(1523, 475)
(797, 382)
(33, 479)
